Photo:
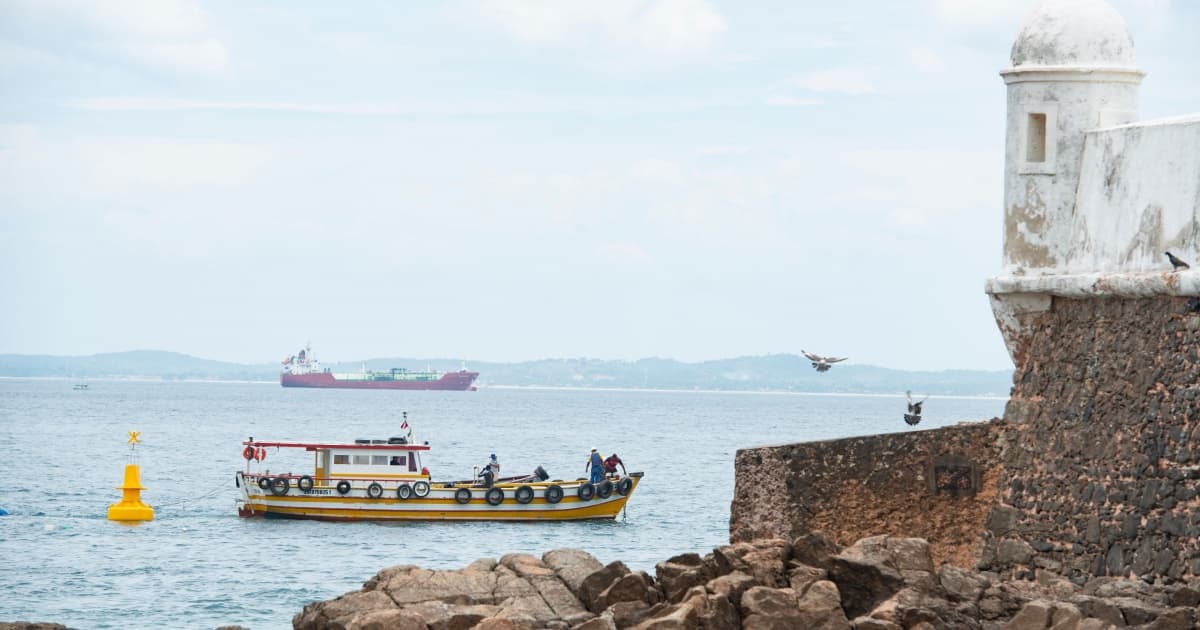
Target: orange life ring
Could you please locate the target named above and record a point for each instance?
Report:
(248, 453)
(260, 454)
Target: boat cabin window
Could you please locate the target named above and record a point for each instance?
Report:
(412, 463)
(362, 460)
(379, 460)
(399, 460)
(341, 459)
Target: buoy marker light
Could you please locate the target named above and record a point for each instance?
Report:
(130, 507)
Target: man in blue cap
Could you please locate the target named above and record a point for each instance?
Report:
(596, 465)
(491, 470)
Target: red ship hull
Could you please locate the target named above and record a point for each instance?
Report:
(452, 381)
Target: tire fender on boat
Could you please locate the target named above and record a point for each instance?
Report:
(343, 487)
(494, 496)
(524, 495)
(624, 486)
(554, 493)
(462, 495)
(404, 491)
(280, 486)
(421, 489)
(374, 490)
(305, 483)
(264, 483)
(604, 490)
(586, 491)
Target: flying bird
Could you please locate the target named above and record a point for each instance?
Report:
(822, 364)
(914, 410)
(1176, 263)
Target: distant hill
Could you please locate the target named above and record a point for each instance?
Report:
(775, 372)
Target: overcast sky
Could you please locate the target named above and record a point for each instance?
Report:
(516, 180)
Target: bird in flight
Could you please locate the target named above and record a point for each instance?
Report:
(1176, 263)
(822, 364)
(914, 409)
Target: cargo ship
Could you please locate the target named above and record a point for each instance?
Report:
(303, 370)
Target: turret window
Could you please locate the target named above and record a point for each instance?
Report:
(1035, 140)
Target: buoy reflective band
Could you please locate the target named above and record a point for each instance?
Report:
(248, 452)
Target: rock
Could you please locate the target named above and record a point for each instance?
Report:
(678, 574)
(864, 577)
(596, 583)
(387, 620)
(821, 608)
(800, 577)
(815, 550)
(1033, 616)
(870, 623)
(526, 565)
(766, 560)
(962, 585)
(731, 586)
(1185, 596)
(628, 614)
(561, 600)
(337, 612)
(631, 587)
(572, 566)
(501, 623)
(597, 623)
(443, 616)
(1182, 618)
(770, 602)
(457, 587)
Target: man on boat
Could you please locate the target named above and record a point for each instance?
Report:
(610, 465)
(596, 465)
(491, 471)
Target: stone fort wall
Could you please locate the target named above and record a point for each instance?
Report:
(1094, 470)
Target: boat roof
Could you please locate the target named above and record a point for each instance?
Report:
(313, 446)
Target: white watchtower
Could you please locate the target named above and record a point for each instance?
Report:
(1073, 70)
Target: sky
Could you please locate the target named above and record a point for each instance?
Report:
(516, 180)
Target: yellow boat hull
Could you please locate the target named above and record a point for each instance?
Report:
(325, 502)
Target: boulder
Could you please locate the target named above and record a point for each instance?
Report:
(962, 585)
(766, 560)
(635, 586)
(595, 584)
(442, 616)
(502, 623)
(596, 623)
(561, 600)
(572, 566)
(865, 576)
(820, 608)
(336, 613)
(679, 573)
(815, 549)
(731, 586)
(455, 587)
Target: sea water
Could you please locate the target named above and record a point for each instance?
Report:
(198, 565)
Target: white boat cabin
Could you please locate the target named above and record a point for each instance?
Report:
(391, 459)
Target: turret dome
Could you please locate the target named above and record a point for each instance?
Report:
(1079, 33)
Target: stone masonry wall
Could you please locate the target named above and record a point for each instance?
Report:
(937, 485)
(1101, 443)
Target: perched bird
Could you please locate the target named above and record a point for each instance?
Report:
(914, 410)
(1176, 263)
(822, 364)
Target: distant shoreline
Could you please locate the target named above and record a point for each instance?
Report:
(658, 390)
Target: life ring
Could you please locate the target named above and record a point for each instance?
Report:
(604, 490)
(305, 483)
(280, 486)
(264, 483)
(421, 489)
(524, 495)
(586, 492)
(462, 495)
(554, 493)
(374, 490)
(404, 491)
(248, 453)
(343, 487)
(260, 454)
(624, 486)
(494, 496)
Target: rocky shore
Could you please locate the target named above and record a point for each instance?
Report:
(878, 583)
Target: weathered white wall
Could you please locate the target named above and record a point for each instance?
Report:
(1139, 196)
(1039, 198)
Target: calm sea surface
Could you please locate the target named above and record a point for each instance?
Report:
(198, 565)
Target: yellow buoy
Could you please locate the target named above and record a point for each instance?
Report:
(130, 507)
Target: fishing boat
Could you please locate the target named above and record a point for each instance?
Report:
(386, 480)
(304, 370)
